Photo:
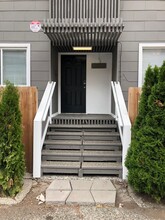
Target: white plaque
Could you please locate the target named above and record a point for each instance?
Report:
(35, 26)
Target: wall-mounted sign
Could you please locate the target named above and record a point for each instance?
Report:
(98, 65)
(35, 26)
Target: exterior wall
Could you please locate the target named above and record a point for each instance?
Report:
(54, 77)
(98, 83)
(144, 21)
(15, 18)
(98, 92)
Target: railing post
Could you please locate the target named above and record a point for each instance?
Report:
(37, 149)
(124, 123)
(44, 114)
(50, 112)
(125, 142)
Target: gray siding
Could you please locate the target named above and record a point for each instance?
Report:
(15, 18)
(144, 21)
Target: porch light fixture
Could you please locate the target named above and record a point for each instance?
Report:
(82, 48)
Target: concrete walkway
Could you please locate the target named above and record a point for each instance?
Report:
(82, 192)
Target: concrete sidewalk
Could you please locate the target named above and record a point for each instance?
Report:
(82, 192)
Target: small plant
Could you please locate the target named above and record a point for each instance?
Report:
(146, 156)
(12, 162)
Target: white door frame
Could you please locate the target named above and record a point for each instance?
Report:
(59, 80)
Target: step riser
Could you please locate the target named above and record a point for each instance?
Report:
(78, 147)
(60, 171)
(94, 127)
(83, 158)
(82, 142)
(61, 158)
(81, 172)
(69, 138)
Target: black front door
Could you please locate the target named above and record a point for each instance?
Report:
(73, 83)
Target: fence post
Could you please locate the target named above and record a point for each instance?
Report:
(133, 102)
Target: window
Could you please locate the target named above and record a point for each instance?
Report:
(150, 54)
(15, 64)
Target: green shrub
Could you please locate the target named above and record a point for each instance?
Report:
(146, 156)
(12, 162)
(151, 78)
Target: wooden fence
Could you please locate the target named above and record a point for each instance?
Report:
(28, 107)
(133, 102)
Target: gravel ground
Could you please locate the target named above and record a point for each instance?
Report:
(127, 207)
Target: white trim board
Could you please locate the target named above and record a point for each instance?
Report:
(143, 46)
(17, 46)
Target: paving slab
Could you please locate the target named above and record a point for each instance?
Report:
(80, 197)
(103, 185)
(59, 185)
(104, 197)
(81, 184)
(57, 196)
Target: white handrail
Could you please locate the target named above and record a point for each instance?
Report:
(124, 123)
(43, 114)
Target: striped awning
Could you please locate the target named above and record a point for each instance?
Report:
(101, 36)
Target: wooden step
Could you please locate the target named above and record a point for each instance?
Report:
(100, 133)
(82, 144)
(83, 116)
(86, 133)
(107, 126)
(102, 168)
(101, 156)
(61, 155)
(65, 133)
(62, 142)
(54, 167)
(77, 155)
(65, 136)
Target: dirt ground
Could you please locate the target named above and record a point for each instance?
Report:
(126, 207)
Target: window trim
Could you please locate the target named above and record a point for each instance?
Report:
(19, 46)
(143, 46)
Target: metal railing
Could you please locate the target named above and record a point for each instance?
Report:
(91, 11)
(41, 122)
(124, 123)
